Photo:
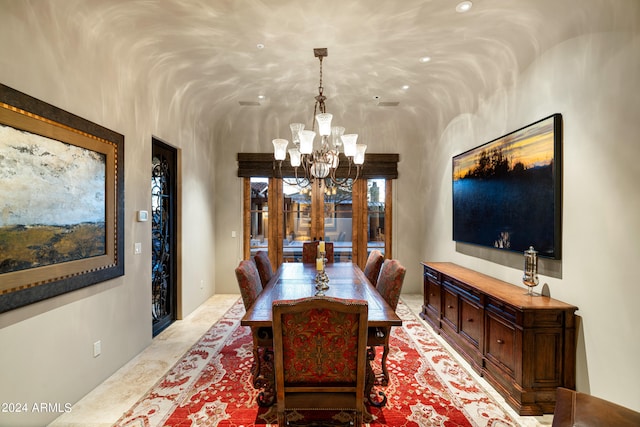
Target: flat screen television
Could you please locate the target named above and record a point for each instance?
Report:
(507, 192)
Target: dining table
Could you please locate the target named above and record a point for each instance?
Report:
(296, 280)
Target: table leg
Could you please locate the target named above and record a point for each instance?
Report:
(265, 379)
(377, 399)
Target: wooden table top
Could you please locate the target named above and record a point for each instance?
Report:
(296, 280)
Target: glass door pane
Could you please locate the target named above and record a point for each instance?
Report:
(297, 219)
(259, 213)
(375, 214)
(338, 221)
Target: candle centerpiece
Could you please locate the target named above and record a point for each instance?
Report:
(322, 280)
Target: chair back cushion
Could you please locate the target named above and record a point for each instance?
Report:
(373, 265)
(263, 263)
(310, 252)
(249, 282)
(321, 340)
(390, 281)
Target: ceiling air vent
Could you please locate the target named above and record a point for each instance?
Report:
(388, 103)
(249, 103)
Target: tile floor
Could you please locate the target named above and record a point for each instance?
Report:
(106, 403)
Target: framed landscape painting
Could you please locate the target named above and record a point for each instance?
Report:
(507, 192)
(61, 201)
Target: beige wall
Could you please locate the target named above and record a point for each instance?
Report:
(46, 348)
(593, 81)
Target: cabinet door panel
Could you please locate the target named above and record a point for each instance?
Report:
(471, 321)
(545, 364)
(500, 344)
(433, 297)
(450, 308)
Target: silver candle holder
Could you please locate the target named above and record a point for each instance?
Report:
(322, 280)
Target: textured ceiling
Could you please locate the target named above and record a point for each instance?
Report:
(205, 52)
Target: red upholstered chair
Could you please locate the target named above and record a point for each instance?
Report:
(389, 285)
(373, 265)
(264, 267)
(310, 252)
(320, 355)
(580, 409)
(249, 282)
(250, 287)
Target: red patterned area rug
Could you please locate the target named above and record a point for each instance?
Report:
(211, 385)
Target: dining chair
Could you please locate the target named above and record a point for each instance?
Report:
(373, 265)
(263, 263)
(310, 252)
(250, 287)
(582, 409)
(389, 286)
(249, 282)
(320, 355)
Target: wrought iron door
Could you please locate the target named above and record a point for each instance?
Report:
(163, 238)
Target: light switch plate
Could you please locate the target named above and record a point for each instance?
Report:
(143, 216)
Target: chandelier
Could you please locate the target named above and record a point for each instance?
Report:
(320, 162)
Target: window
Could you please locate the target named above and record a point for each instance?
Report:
(317, 213)
(259, 215)
(376, 210)
(279, 216)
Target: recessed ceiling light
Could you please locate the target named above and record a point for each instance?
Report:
(405, 87)
(260, 46)
(463, 6)
(425, 59)
(260, 96)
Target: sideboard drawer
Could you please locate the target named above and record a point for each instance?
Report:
(432, 275)
(503, 310)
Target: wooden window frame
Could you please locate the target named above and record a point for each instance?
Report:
(382, 166)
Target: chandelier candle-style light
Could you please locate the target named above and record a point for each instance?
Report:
(322, 162)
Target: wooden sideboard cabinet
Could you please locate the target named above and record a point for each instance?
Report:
(524, 346)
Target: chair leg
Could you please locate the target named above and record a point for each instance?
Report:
(371, 354)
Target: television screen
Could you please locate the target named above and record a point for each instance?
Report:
(507, 192)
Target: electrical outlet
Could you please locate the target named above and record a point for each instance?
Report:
(97, 348)
(233, 234)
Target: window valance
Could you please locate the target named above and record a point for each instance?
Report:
(383, 166)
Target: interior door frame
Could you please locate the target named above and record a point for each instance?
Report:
(176, 227)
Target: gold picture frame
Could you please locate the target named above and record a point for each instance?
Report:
(49, 249)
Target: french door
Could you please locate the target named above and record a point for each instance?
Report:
(280, 216)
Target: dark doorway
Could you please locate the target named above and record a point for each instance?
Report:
(163, 235)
